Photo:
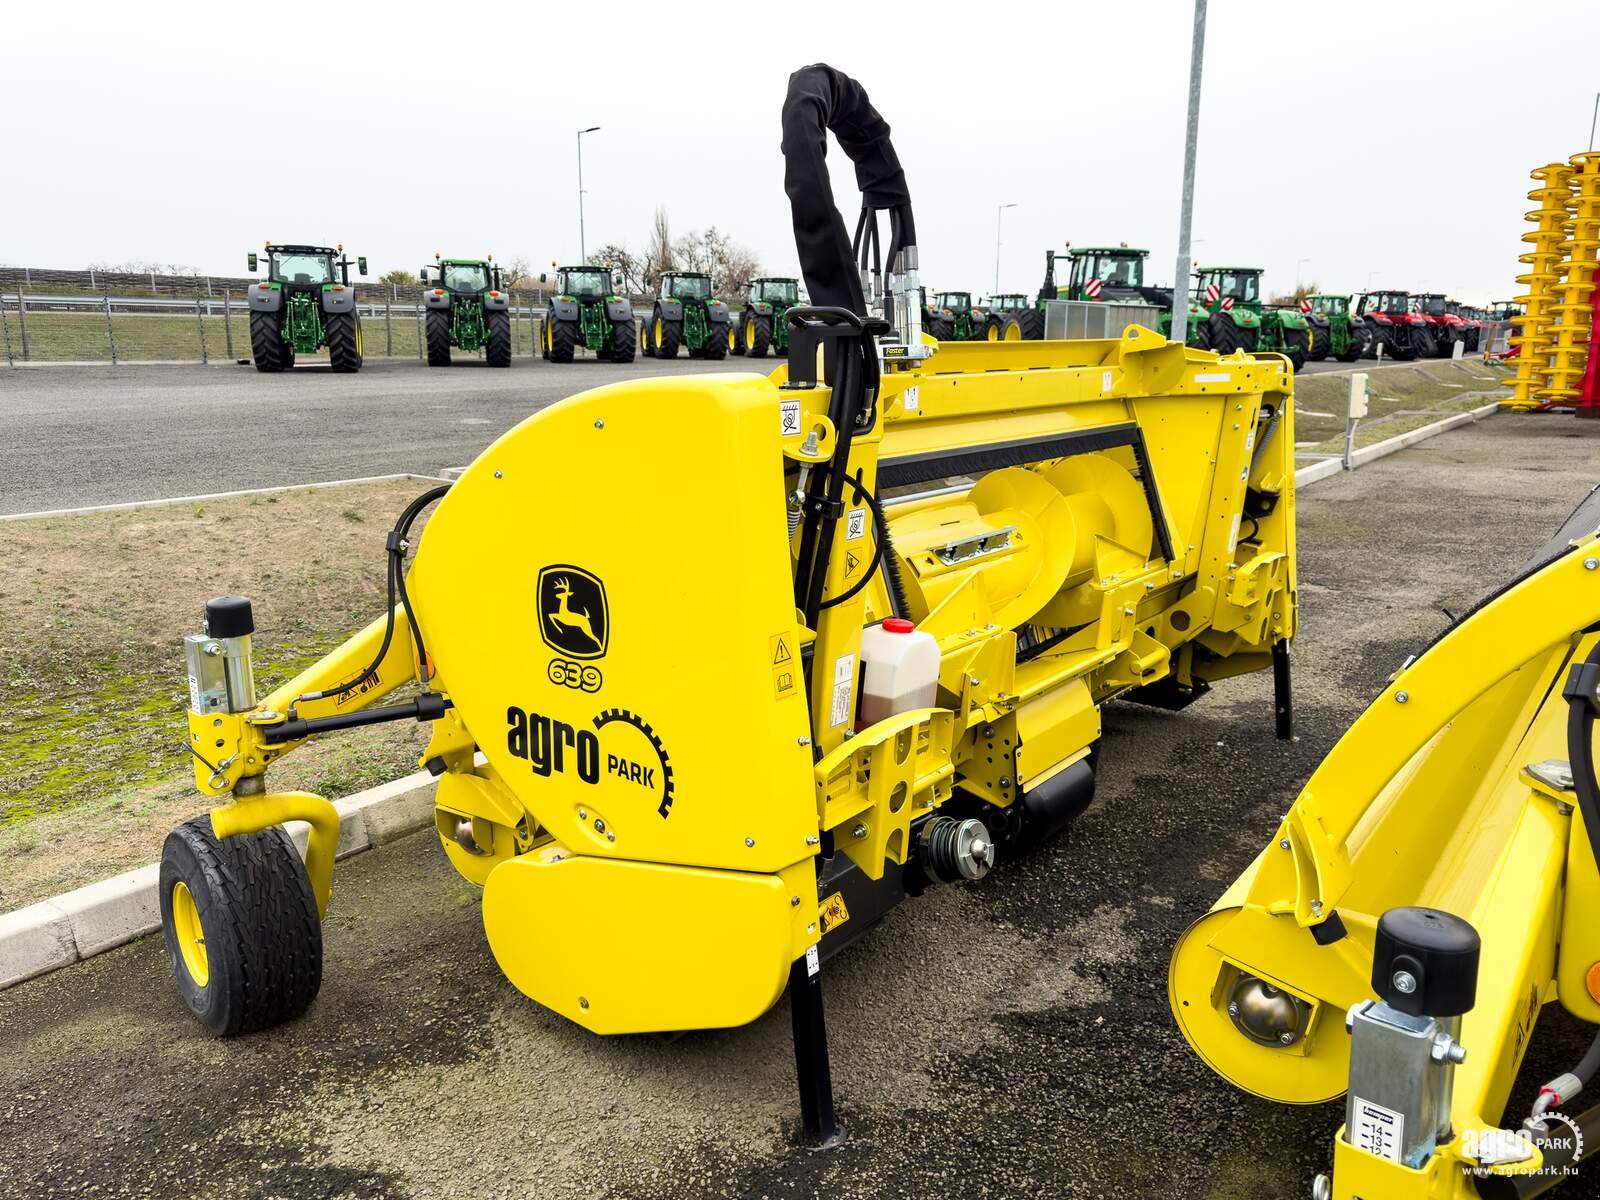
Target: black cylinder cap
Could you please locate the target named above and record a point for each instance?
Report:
(1437, 950)
(229, 616)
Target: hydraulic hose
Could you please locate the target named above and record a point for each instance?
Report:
(821, 98)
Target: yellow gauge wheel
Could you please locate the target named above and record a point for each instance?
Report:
(191, 935)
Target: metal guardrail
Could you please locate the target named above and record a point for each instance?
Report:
(53, 328)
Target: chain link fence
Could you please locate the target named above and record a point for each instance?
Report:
(57, 328)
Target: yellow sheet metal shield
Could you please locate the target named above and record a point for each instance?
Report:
(629, 947)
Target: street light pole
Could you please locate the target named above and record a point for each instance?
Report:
(1180, 291)
(1298, 264)
(1593, 119)
(998, 213)
(583, 249)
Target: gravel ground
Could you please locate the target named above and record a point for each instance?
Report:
(1009, 1039)
(81, 435)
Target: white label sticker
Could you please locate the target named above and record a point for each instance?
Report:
(1105, 381)
(844, 682)
(855, 525)
(1249, 441)
(791, 417)
(813, 963)
(1377, 1130)
(194, 694)
(909, 399)
(1233, 536)
(1216, 377)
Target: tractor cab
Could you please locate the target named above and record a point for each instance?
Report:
(587, 285)
(1106, 273)
(1506, 310)
(1325, 305)
(307, 267)
(1385, 304)
(783, 292)
(686, 285)
(1008, 302)
(461, 276)
(953, 303)
(1234, 286)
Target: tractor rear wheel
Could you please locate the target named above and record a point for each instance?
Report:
(241, 925)
(993, 329)
(1319, 341)
(1444, 345)
(623, 341)
(1228, 336)
(715, 346)
(1200, 336)
(436, 326)
(498, 351)
(757, 336)
(1024, 325)
(940, 329)
(666, 338)
(343, 333)
(1360, 337)
(266, 341)
(563, 340)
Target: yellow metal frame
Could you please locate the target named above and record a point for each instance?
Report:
(1426, 800)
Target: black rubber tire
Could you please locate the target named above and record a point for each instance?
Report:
(343, 333)
(258, 918)
(1377, 336)
(1202, 336)
(1320, 341)
(563, 340)
(1445, 342)
(757, 339)
(1024, 325)
(736, 334)
(498, 350)
(544, 340)
(623, 341)
(646, 348)
(436, 328)
(671, 339)
(716, 344)
(1471, 340)
(266, 342)
(941, 329)
(1295, 347)
(1228, 336)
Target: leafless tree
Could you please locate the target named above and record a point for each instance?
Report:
(625, 262)
(517, 273)
(659, 250)
(730, 264)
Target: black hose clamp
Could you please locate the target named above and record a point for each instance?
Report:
(1583, 685)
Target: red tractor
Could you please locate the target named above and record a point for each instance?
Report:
(1444, 317)
(1396, 327)
(1472, 323)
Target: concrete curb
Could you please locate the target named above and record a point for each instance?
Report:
(1328, 467)
(174, 501)
(65, 929)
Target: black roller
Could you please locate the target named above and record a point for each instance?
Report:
(229, 616)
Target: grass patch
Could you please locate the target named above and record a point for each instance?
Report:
(1399, 399)
(92, 613)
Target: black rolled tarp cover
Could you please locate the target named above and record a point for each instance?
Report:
(821, 98)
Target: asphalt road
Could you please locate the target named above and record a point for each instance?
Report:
(1004, 1039)
(110, 435)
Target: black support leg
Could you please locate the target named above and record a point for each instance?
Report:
(822, 1129)
(1282, 699)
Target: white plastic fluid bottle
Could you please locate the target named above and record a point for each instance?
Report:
(902, 666)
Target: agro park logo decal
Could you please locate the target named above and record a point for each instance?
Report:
(616, 745)
(575, 622)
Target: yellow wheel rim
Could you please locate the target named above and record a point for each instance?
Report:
(1013, 332)
(731, 336)
(191, 937)
(993, 333)
(750, 335)
(657, 338)
(361, 345)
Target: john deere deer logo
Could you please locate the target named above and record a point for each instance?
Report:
(573, 619)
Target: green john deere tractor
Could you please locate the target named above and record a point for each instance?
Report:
(1226, 314)
(686, 314)
(999, 308)
(306, 303)
(586, 311)
(1109, 274)
(951, 318)
(761, 325)
(1334, 332)
(464, 306)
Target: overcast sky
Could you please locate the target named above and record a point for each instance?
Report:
(1388, 141)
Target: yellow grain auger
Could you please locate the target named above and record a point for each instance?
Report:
(721, 668)
(1433, 886)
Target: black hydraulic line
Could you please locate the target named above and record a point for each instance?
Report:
(428, 707)
(1582, 693)
(883, 558)
(820, 99)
